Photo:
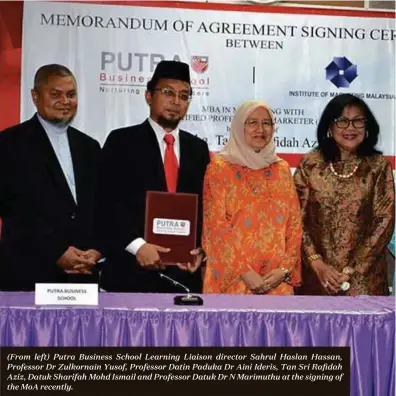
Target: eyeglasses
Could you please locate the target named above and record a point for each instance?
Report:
(345, 122)
(170, 93)
(255, 124)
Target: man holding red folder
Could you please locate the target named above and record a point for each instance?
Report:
(153, 156)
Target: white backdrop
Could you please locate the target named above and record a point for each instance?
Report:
(280, 58)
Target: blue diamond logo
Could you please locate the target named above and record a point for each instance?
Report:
(341, 72)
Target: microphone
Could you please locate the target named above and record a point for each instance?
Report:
(175, 283)
(182, 300)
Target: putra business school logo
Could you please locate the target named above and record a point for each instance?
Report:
(200, 80)
(171, 227)
(200, 64)
(129, 72)
(341, 72)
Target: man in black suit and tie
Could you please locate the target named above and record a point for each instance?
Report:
(155, 155)
(47, 184)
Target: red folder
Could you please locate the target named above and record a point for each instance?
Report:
(171, 222)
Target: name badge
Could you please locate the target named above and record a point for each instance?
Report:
(171, 227)
(66, 294)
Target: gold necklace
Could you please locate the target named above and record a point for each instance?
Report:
(348, 175)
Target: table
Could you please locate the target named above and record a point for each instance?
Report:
(366, 324)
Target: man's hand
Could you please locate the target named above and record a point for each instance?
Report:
(91, 255)
(148, 256)
(74, 262)
(198, 258)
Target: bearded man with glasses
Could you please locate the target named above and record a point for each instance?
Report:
(155, 155)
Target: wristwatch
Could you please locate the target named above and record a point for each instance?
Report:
(287, 274)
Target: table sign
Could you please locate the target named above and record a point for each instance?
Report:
(66, 294)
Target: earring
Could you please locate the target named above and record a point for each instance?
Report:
(366, 134)
(329, 134)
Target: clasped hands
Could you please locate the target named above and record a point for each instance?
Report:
(77, 261)
(330, 278)
(260, 284)
(148, 256)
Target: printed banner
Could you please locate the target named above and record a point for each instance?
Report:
(295, 62)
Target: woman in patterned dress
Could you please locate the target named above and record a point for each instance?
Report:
(347, 197)
(252, 223)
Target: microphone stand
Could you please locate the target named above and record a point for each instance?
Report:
(188, 299)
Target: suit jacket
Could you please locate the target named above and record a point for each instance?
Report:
(40, 217)
(132, 165)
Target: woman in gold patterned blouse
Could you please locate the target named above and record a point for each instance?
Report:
(346, 192)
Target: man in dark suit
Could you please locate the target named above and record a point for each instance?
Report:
(47, 182)
(154, 155)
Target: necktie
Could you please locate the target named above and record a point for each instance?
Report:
(170, 163)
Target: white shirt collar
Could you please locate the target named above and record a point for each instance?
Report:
(50, 127)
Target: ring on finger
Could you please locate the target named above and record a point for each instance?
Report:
(258, 290)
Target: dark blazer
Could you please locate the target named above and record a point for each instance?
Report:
(132, 165)
(40, 217)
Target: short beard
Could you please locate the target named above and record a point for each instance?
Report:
(168, 123)
(60, 122)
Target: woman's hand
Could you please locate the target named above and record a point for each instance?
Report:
(330, 278)
(273, 278)
(253, 281)
(262, 284)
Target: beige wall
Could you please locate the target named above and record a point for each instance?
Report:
(390, 5)
(329, 3)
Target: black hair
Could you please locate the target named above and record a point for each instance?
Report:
(327, 146)
(45, 72)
